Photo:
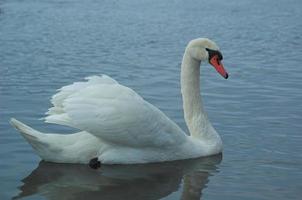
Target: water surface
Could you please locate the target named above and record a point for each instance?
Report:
(257, 111)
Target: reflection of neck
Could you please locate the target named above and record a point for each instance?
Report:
(193, 185)
(194, 114)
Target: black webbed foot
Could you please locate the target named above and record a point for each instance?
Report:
(94, 163)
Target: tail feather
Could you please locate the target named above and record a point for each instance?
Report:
(60, 148)
(27, 132)
(34, 137)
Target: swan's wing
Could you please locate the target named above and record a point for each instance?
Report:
(116, 114)
(56, 114)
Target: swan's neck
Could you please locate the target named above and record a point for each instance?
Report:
(194, 113)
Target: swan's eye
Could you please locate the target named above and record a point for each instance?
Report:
(212, 53)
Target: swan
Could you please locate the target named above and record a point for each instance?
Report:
(117, 126)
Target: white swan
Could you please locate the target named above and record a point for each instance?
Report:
(120, 127)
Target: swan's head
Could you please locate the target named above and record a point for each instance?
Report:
(203, 49)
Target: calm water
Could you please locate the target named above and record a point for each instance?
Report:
(258, 112)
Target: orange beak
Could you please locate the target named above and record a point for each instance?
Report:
(216, 63)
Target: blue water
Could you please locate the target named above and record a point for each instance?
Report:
(257, 111)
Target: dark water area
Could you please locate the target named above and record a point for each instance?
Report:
(258, 111)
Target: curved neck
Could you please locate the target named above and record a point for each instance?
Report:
(194, 114)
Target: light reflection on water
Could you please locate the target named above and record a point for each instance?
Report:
(150, 181)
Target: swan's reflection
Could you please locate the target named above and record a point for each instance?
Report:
(151, 181)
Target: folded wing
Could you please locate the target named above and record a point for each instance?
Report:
(114, 113)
